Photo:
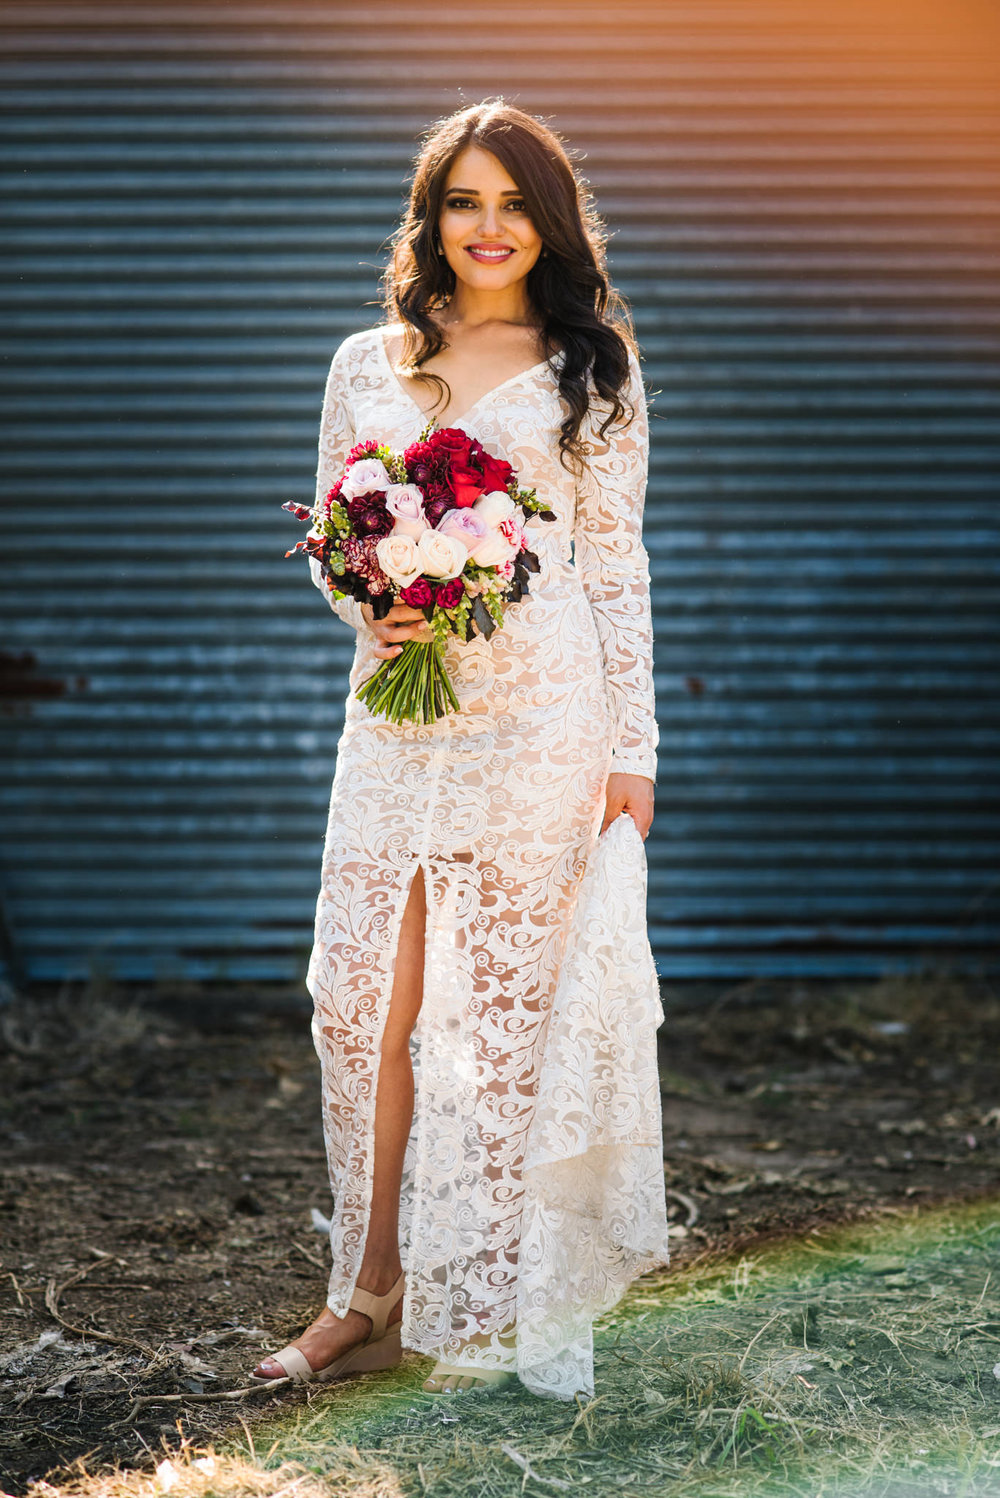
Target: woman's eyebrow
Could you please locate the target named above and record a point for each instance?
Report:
(472, 192)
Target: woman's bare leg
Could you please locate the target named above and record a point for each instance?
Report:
(330, 1335)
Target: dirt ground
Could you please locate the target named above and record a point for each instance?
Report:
(161, 1156)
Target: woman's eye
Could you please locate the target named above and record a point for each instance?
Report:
(516, 205)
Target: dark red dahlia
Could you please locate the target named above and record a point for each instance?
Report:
(435, 508)
(369, 516)
(360, 556)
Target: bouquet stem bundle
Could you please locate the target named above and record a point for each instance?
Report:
(413, 686)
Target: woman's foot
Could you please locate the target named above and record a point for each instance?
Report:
(330, 1336)
(446, 1379)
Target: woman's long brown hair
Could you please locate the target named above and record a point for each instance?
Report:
(568, 285)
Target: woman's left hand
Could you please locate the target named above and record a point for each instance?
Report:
(632, 794)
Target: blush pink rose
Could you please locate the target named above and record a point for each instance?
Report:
(366, 476)
(405, 504)
(465, 525)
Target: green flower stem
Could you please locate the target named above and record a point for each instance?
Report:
(413, 685)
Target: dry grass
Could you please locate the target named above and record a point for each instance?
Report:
(859, 1361)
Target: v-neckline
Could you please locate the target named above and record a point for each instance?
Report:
(380, 333)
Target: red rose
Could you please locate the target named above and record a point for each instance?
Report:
(466, 484)
(497, 472)
(449, 594)
(418, 595)
(451, 440)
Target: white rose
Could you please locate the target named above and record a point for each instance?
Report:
(441, 556)
(494, 507)
(365, 477)
(405, 504)
(397, 556)
(496, 548)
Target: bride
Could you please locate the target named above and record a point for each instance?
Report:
(485, 1003)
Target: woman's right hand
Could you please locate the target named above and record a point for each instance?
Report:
(402, 622)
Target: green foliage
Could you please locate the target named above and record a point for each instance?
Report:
(707, 1393)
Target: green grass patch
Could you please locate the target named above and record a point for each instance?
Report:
(859, 1360)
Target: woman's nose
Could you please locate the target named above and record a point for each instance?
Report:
(489, 223)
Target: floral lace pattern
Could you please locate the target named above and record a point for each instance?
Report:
(532, 1184)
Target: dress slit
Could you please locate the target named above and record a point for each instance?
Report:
(351, 1143)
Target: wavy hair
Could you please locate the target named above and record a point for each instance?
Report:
(582, 314)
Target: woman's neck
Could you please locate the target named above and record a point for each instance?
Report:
(472, 309)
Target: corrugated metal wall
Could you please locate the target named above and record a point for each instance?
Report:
(806, 206)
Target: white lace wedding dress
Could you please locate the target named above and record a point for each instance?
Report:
(533, 1183)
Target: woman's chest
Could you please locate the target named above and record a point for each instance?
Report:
(520, 425)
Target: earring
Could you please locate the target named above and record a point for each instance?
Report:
(438, 246)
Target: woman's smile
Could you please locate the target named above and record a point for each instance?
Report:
(490, 254)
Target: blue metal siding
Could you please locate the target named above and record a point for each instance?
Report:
(806, 213)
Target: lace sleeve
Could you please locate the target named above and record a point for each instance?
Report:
(336, 438)
(614, 568)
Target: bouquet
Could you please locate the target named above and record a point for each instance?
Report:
(440, 527)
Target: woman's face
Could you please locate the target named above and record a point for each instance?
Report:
(488, 239)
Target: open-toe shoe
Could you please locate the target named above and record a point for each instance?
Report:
(382, 1349)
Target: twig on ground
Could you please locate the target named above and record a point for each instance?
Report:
(528, 1469)
(227, 1395)
(307, 1255)
(753, 1339)
(54, 1293)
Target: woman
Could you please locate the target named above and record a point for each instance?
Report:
(485, 999)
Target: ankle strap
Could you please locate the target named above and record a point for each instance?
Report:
(377, 1306)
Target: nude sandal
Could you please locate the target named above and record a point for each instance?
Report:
(383, 1348)
(493, 1379)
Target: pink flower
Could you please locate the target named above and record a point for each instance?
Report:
(405, 504)
(361, 557)
(465, 525)
(512, 531)
(365, 476)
